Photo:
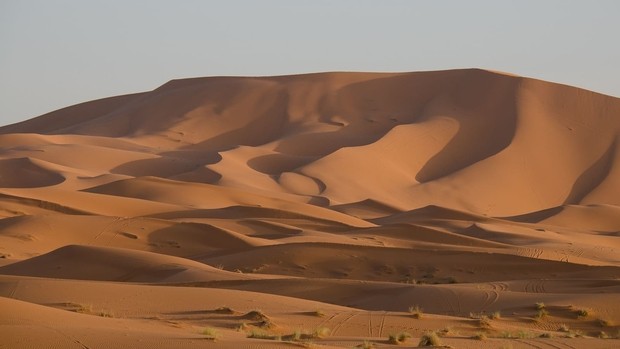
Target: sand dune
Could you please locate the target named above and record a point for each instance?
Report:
(268, 209)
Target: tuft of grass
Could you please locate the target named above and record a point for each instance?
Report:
(582, 313)
(525, 334)
(83, 308)
(296, 336)
(506, 334)
(267, 324)
(429, 339)
(484, 321)
(603, 335)
(416, 312)
(366, 345)
(539, 306)
(574, 334)
(211, 333)
(321, 332)
(447, 331)
(259, 334)
(545, 335)
(563, 328)
(541, 314)
(481, 336)
(398, 338)
(318, 313)
(495, 315)
(105, 313)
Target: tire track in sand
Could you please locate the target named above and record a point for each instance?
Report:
(339, 324)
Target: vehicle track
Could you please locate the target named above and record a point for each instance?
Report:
(385, 313)
(339, 325)
(535, 286)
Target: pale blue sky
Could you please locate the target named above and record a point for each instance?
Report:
(54, 53)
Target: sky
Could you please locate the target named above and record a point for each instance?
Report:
(56, 53)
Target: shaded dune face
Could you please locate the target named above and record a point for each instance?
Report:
(343, 200)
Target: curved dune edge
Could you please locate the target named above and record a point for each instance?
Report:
(276, 205)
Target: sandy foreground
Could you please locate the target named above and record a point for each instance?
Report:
(333, 210)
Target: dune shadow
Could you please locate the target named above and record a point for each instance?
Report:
(485, 107)
(273, 164)
(592, 177)
(24, 173)
(169, 167)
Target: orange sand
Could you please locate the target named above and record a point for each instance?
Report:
(331, 201)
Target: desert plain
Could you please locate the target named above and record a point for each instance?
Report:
(465, 208)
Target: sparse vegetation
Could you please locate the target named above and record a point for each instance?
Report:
(546, 335)
(563, 328)
(603, 335)
(105, 313)
(519, 334)
(573, 334)
(429, 339)
(259, 334)
(481, 336)
(318, 313)
(495, 315)
(211, 333)
(582, 313)
(321, 332)
(267, 324)
(539, 306)
(447, 331)
(83, 308)
(484, 321)
(398, 338)
(416, 312)
(366, 345)
(541, 314)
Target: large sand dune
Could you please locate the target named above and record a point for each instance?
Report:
(276, 205)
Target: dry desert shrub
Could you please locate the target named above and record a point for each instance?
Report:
(260, 334)
(541, 314)
(582, 313)
(481, 336)
(429, 339)
(398, 338)
(211, 333)
(416, 312)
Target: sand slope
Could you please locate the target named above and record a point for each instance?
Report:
(332, 200)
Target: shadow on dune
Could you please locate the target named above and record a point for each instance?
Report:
(274, 164)
(173, 165)
(26, 173)
(485, 107)
(592, 177)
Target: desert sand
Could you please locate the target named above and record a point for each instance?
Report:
(331, 210)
